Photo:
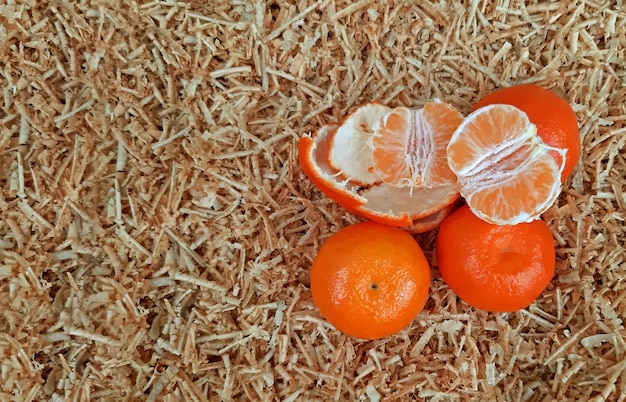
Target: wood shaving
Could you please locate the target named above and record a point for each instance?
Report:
(157, 231)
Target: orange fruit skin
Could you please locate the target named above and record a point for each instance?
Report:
(343, 198)
(431, 221)
(370, 280)
(556, 122)
(491, 267)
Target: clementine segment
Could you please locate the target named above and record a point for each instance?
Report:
(554, 118)
(491, 267)
(370, 280)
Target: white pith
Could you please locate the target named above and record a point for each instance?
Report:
(327, 172)
(350, 151)
(382, 198)
(411, 201)
(419, 149)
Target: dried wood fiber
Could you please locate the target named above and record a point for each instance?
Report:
(156, 230)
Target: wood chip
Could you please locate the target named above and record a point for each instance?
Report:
(157, 231)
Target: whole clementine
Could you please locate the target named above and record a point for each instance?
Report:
(492, 267)
(555, 120)
(370, 280)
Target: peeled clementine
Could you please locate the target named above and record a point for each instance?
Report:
(554, 118)
(409, 145)
(504, 169)
(354, 163)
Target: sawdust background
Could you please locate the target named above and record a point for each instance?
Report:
(156, 229)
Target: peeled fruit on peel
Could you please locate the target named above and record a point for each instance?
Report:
(379, 201)
(387, 165)
(409, 145)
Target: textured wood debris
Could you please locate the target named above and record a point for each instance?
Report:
(156, 230)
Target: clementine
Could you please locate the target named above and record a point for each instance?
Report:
(491, 267)
(555, 120)
(370, 280)
(409, 145)
(504, 170)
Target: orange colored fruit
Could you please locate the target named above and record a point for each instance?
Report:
(370, 280)
(554, 118)
(491, 267)
(504, 170)
(409, 145)
(340, 161)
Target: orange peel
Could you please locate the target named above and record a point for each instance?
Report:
(430, 222)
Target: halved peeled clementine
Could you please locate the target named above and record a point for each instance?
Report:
(409, 145)
(556, 122)
(504, 169)
(346, 162)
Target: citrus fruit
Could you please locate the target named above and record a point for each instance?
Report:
(552, 115)
(504, 170)
(339, 159)
(492, 267)
(409, 145)
(370, 280)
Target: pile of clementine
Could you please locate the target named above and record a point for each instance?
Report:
(405, 169)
